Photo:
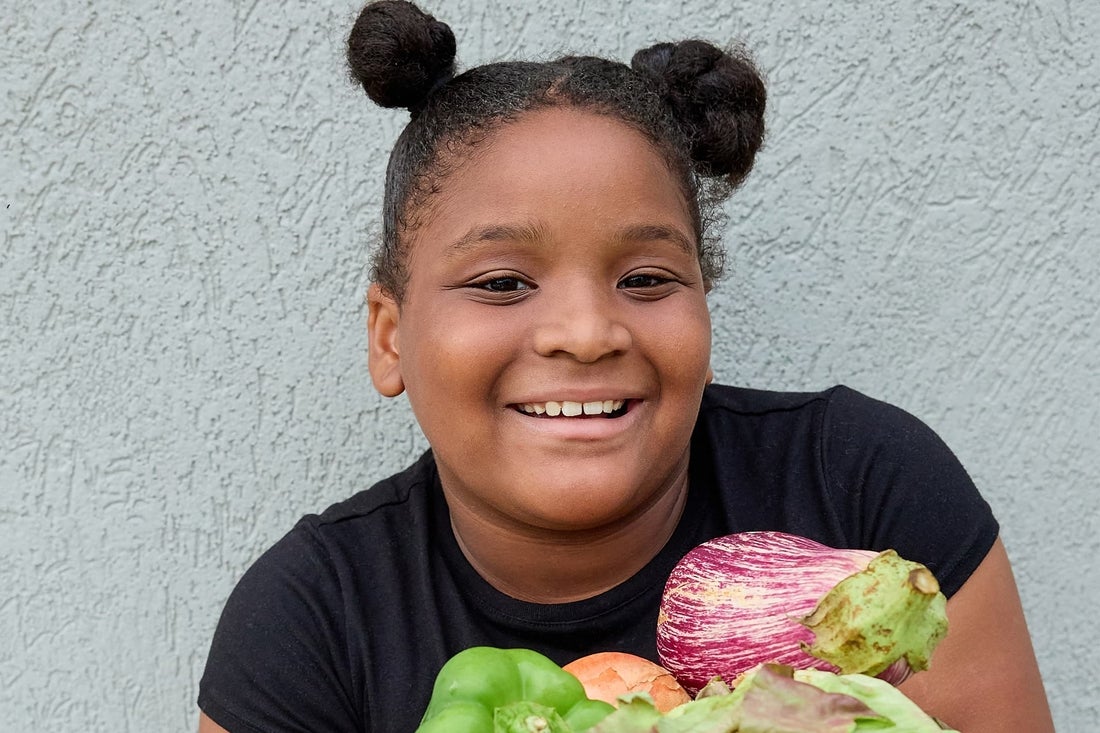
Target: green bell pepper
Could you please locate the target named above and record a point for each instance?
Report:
(489, 690)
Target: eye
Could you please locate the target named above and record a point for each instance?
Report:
(499, 288)
(642, 281)
(503, 284)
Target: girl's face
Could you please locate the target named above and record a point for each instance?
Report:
(554, 272)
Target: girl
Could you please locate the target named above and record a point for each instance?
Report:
(540, 296)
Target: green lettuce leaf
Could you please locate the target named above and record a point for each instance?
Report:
(715, 714)
(635, 714)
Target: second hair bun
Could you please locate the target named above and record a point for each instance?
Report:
(718, 98)
(400, 54)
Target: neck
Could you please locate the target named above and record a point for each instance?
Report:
(552, 566)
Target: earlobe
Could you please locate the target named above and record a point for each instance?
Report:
(383, 355)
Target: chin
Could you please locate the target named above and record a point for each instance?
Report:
(578, 508)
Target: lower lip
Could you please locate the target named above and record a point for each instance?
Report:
(581, 429)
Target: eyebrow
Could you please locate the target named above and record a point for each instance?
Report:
(659, 233)
(535, 233)
(525, 233)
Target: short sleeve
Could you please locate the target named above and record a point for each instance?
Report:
(903, 488)
(278, 661)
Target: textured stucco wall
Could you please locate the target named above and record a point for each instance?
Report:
(188, 190)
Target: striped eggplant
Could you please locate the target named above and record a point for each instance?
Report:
(747, 599)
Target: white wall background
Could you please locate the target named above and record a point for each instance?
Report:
(187, 196)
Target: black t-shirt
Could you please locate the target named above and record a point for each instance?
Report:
(343, 624)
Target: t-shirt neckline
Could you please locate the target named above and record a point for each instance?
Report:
(644, 585)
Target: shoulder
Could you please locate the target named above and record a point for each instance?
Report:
(319, 544)
(838, 410)
(877, 438)
(403, 491)
(858, 469)
(311, 557)
(309, 568)
(727, 399)
(293, 633)
(323, 554)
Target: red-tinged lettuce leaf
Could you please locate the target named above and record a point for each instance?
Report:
(774, 702)
(899, 713)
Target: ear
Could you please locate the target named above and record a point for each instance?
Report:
(383, 355)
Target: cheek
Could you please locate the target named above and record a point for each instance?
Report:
(453, 355)
(685, 339)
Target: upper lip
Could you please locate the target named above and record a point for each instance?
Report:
(571, 396)
(607, 404)
(561, 390)
(569, 399)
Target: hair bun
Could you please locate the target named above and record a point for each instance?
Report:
(718, 98)
(400, 54)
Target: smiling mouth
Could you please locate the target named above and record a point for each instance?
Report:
(567, 408)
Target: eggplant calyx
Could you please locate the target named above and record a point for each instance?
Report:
(891, 610)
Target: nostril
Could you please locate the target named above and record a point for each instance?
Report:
(586, 336)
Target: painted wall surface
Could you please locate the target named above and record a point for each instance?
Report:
(188, 192)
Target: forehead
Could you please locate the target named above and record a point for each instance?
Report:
(546, 135)
(558, 150)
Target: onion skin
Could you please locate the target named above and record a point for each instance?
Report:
(738, 601)
(609, 675)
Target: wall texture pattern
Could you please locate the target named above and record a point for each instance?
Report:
(188, 193)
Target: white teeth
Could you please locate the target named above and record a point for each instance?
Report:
(571, 409)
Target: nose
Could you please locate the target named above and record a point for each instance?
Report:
(582, 324)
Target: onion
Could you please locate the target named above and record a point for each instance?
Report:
(608, 676)
(747, 599)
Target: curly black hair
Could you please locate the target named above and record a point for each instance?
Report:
(700, 106)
